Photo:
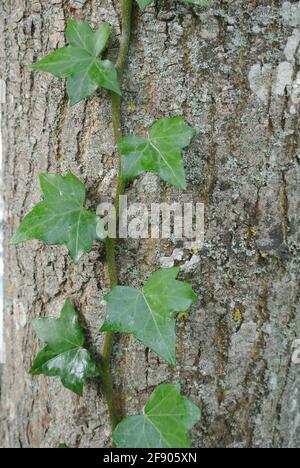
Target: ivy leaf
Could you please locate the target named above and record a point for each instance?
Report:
(159, 153)
(64, 354)
(79, 62)
(144, 3)
(149, 314)
(167, 418)
(61, 218)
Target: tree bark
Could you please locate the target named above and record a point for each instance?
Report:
(232, 70)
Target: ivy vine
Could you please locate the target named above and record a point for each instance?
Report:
(61, 218)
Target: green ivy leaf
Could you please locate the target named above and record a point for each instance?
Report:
(61, 218)
(167, 418)
(159, 153)
(79, 62)
(149, 314)
(64, 354)
(144, 3)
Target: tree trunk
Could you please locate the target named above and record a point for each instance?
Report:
(232, 70)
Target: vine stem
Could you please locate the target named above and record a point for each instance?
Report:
(126, 15)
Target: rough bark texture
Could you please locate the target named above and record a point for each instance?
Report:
(232, 71)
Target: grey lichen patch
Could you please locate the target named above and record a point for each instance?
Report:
(210, 26)
(284, 78)
(295, 94)
(260, 78)
(20, 313)
(264, 78)
(191, 265)
(290, 13)
(292, 45)
(176, 256)
(166, 262)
